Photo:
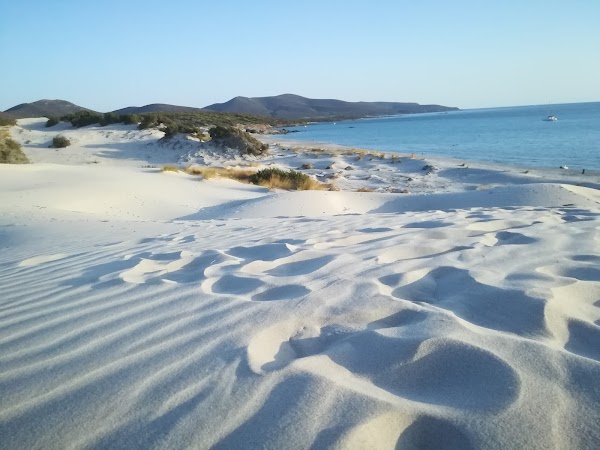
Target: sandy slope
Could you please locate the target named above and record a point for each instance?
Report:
(142, 309)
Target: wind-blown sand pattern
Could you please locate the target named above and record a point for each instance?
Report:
(177, 313)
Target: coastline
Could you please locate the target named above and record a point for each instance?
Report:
(472, 172)
(516, 135)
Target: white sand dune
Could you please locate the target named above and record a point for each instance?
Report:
(142, 309)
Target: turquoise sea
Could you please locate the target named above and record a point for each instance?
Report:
(515, 135)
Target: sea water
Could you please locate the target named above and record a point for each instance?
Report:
(515, 135)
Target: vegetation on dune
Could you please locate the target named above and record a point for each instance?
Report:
(60, 142)
(169, 169)
(82, 118)
(131, 119)
(270, 178)
(223, 127)
(215, 172)
(290, 180)
(52, 120)
(231, 137)
(192, 120)
(10, 150)
(7, 120)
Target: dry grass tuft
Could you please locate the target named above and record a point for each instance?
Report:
(10, 150)
(169, 169)
(215, 172)
(271, 178)
(277, 182)
(364, 189)
(290, 180)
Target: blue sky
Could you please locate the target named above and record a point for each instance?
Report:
(109, 54)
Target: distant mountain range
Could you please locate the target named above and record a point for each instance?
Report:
(281, 106)
(296, 107)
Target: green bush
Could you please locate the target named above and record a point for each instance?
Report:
(207, 119)
(131, 119)
(60, 142)
(83, 118)
(235, 138)
(11, 153)
(110, 118)
(170, 128)
(149, 121)
(52, 121)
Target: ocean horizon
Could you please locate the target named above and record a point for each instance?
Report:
(516, 135)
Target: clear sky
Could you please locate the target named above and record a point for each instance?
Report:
(107, 54)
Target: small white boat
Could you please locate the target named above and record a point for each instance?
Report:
(551, 119)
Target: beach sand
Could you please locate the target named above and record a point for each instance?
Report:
(455, 307)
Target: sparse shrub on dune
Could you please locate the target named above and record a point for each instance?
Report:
(290, 180)
(131, 119)
(60, 142)
(214, 172)
(364, 189)
(231, 137)
(10, 150)
(270, 178)
(83, 118)
(167, 125)
(110, 118)
(170, 129)
(169, 168)
(52, 120)
(148, 121)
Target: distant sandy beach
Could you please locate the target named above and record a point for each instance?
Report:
(425, 303)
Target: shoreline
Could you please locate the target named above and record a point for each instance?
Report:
(518, 136)
(590, 179)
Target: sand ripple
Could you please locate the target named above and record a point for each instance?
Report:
(467, 329)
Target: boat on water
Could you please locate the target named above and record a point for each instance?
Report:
(551, 118)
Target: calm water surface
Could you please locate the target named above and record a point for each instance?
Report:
(516, 135)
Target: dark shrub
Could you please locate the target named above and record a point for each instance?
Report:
(170, 128)
(235, 138)
(110, 118)
(264, 175)
(52, 121)
(83, 118)
(131, 119)
(149, 121)
(60, 142)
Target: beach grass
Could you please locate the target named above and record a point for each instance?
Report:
(271, 178)
(10, 150)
